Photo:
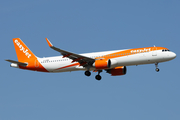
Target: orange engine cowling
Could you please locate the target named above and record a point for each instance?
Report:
(105, 64)
(102, 64)
(117, 71)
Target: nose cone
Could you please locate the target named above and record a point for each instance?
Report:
(172, 55)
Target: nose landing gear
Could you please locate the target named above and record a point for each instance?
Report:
(157, 69)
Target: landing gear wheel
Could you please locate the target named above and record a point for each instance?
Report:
(98, 77)
(157, 69)
(87, 73)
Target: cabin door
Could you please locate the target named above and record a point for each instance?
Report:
(154, 51)
(36, 63)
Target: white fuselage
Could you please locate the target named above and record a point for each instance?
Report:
(60, 64)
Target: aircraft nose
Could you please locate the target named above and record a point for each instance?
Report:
(173, 55)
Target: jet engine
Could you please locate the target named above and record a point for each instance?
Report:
(117, 71)
(105, 64)
(102, 64)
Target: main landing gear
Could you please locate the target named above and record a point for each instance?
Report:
(157, 69)
(87, 73)
(98, 77)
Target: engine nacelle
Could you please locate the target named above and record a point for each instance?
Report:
(113, 63)
(117, 71)
(102, 64)
(105, 64)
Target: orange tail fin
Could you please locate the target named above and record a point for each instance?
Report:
(22, 51)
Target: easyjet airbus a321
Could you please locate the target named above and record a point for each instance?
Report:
(113, 62)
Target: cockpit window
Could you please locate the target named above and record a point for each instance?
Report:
(165, 50)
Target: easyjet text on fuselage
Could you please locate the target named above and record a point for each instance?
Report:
(141, 50)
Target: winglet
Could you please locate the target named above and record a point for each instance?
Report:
(49, 43)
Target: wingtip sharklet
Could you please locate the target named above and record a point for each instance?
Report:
(49, 43)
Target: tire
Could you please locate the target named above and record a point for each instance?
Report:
(157, 69)
(87, 73)
(98, 77)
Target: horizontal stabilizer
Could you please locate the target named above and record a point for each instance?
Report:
(16, 62)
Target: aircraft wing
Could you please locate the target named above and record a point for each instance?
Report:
(19, 63)
(83, 60)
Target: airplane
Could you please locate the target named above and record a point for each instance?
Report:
(113, 62)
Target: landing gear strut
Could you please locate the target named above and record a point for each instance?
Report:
(87, 73)
(157, 69)
(98, 77)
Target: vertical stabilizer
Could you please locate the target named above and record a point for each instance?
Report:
(22, 51)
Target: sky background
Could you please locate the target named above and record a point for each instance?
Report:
(83, 26)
